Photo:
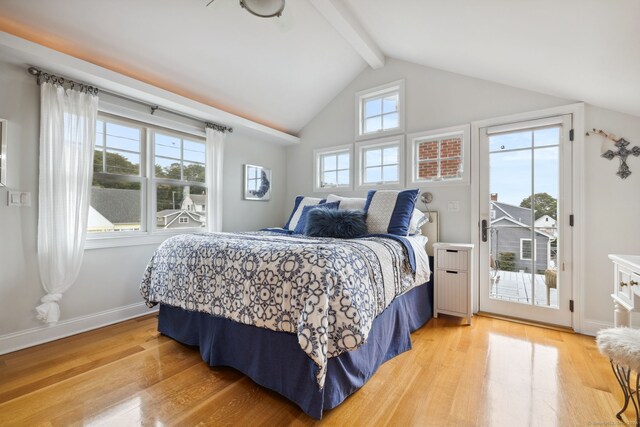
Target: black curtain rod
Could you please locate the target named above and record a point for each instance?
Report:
(40, 75)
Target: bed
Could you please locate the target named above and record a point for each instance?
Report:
(310, 318)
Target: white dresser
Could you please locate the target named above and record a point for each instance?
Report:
(626, 287)
(453, 290)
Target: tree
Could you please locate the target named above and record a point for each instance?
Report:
(544, 205)
(116, 164)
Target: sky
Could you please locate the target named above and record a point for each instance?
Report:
(511, 164)
(126, 141)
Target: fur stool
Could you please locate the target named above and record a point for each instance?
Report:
(622, 346)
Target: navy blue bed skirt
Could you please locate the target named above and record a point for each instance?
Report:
(275, 360)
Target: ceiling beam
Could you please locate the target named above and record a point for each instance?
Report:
(336, 12)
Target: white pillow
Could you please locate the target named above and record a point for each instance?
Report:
(351, 203)
(418, 219)
(298, 206)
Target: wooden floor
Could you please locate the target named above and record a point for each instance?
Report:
(493, 373)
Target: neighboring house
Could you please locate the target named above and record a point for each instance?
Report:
(194, 203)
(511, 232)
(547, 224)
(192, 212)
(180, 218)
(114, 209)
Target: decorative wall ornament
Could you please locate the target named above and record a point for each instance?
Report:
(622, 152)
(257, 183)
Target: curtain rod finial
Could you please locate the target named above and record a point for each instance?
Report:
(33, 71)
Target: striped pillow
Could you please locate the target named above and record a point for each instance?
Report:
(298, 206)
(390, 211)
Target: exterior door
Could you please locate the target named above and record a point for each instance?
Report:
(525, 235)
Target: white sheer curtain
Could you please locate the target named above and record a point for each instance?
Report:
(215, 155)
(67, 139)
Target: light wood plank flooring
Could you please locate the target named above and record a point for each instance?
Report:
(493, 373)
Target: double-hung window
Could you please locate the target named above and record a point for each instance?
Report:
(118, 190)
(147, 180)
(379, 110)
(439, 156)
(380, 163)
(526, 249)
(332, 168)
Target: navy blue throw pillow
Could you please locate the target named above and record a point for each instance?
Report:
(302, 222)
(347, 224)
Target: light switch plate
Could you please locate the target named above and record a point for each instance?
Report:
(18, 198)
(453, 206)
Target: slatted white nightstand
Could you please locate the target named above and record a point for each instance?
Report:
(453, 277)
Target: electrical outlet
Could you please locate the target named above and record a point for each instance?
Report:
(453, 206)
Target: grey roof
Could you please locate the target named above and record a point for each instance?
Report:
(518, 213)
(119, 206)
(168, 212)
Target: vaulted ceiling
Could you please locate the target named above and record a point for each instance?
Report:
(282, 72)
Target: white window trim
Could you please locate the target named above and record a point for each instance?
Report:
(317, 155)
(382, 142)
(412, 157)
(150, 235)
(396, 86)
(535, 247)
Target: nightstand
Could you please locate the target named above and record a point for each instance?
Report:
(453, 277)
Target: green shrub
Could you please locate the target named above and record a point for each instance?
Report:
(506, 260)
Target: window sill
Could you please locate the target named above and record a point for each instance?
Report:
(440, 183)
(367, 187)
(127, 241)
(335, 189)
(380, 134)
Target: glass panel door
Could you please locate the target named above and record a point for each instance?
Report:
(523, 183)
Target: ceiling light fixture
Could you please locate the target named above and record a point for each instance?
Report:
(262, 8)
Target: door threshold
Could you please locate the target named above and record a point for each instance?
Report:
(526, 322)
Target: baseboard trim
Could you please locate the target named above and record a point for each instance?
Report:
(42, 334)
(591, 327)
(526, 322)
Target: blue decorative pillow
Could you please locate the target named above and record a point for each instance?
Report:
(389, 211)
(299, 204)
(347, 224)
(302, 222)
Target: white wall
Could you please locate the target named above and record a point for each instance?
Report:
(109, 278)
(436, 99)
(612, 211)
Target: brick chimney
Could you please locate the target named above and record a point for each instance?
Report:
(494, 197)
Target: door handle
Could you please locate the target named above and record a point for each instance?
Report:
(484, 230)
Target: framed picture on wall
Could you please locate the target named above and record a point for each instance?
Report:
(257, 183)
(3, 152)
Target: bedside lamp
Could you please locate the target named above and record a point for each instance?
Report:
(426, 198)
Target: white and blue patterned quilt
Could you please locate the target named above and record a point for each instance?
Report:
(327, 291)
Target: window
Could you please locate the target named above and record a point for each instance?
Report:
(118, 189)
(146, 179)
(379, 110)
(525, 249)
(439, 156)
(332, 168)
(178, 179)
(380, 163)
